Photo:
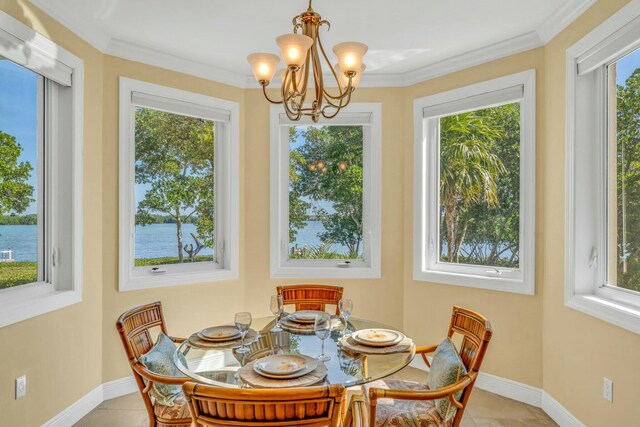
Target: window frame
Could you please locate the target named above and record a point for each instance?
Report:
(60, 191)
(225, 266)
(426, 266)
(586, 175)
(370, 266)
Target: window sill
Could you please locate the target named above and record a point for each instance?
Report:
(332, 272)
(27, 301)
(626, 316)
(176, 279)
(472, 281)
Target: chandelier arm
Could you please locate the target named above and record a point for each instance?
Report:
(290, 114)
(264, 91)
(335, 76)
(331, 116)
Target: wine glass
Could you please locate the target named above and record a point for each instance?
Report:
(243, 321)
(345, 306)
(322, 328)
(277, 309)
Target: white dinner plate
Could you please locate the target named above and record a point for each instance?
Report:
(285, 366)
(377, 337)
(219, 333)
(305, 316)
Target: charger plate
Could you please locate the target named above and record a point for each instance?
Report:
(219, 333)
(348, 344)
(252, 378)
(197, 341)
(285, 365)
(378, 337)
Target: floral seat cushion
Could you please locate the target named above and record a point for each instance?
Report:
(405, 413)
(179, 409)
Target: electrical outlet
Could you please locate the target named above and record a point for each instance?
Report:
(608, 389)
(21, 386)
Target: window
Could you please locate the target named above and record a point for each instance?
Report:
(474, 185)
(325, 195)
(178, 187)
(602, 272)
(40, 174)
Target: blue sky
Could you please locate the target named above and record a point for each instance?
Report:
(19, 113)
(626, 66)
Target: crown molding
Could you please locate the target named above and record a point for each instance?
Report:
(92, 34)
(489, 53)
(167, 61)
(561, 18)
(102, 41)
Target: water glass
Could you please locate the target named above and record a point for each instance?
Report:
(345, 306)
(243, 321)
(277, 308)
(322, 328)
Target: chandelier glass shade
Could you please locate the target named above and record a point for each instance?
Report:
(304, 56)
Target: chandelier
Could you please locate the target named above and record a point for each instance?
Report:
(303, 54)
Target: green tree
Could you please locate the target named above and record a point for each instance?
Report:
(175, 158)
(469, 169)
(298, 208)
(492, 233)
(15, 193)
(328, 170)
(628, 182)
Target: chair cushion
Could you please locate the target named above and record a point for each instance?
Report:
(159, 360)
(405, 413)
(179, 409)
(446, 369)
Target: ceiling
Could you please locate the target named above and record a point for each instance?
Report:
(409, 40)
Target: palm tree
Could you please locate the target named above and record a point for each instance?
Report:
(468, 169)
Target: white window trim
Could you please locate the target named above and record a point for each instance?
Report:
(426, 192)
(227, 192)
(59, 65)
(585, 233)
(370, 267)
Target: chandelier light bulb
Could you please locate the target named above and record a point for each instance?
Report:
(344, 79)
(294, 48)
(350, 55)
(263, 66)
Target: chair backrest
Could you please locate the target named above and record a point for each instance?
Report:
(311, 297)
(309, 406)
(476, 333)
(134, 327)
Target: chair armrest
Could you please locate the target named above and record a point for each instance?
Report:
(152, 376)
(424, 350)
(177, 339)
(461, 384)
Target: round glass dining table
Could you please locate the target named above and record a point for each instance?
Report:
(219, 366)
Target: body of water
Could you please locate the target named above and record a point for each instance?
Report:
(308, 237)
(152, 241)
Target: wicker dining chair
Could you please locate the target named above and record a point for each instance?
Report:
(135, 327)
(416, 400)
(223, 407)
(311, 297)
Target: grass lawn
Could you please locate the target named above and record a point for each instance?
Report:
(17, 273)
(142, 262)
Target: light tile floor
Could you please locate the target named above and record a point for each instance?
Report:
(485, 410)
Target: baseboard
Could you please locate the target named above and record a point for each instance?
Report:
(77, 410)
(558, 413)
(524, 393)
(119, 387)
(501, 386)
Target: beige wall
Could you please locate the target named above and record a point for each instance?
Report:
(61, 352)
(578, 350)
(516, 347)
(537, 340)
(187, 308)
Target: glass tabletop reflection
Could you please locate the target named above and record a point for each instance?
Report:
(219, 366)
